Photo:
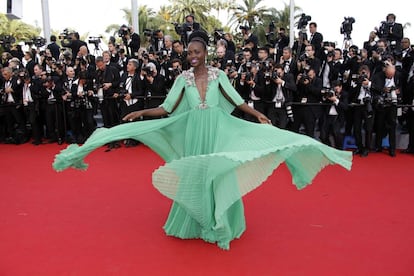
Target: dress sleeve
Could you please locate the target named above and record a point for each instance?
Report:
(174, 95)
(230, 93)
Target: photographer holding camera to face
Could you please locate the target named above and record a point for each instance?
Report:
(131, 40)
(387, 88)
(334, 114)
(154, 85)
(187, 28)
(362, 111)
(278, 98)
(308, 94)
(391, 31)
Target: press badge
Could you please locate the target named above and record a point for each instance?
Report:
(304, 100)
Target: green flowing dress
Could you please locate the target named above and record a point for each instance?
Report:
(212, 158)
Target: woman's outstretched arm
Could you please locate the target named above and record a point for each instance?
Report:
(151, 112)
(260, 117)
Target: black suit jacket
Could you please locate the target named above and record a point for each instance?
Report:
(378, 83)
(54, 49)
(137, 85)
(340, 108)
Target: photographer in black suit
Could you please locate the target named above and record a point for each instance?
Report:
(187, 28)
(315, 39)
(334, 114)
(131, 40)
(11, 104)
(387, 88)
(309, 95)
(278, 98)
(391, 31)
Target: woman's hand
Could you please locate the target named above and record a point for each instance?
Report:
(263, 119)
(132, 116)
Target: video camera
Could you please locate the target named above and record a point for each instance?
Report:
(217, 35)
(7, 40)
(36, 41)
(95, 40)
(346, 26)
(123, 31)
(303, 21)
(65, 38)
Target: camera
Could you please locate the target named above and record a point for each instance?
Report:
(245, 28)
(174, 72)
(37, 41)
(123, 31)
(303, 21)
(346, 26)
(7, 40)
(217, 35)
(327, 93)
(65, 38)
(384, 29)
(148, 32)
(95, 40)
(303, 57)
(147, 70)
(304, 77)
(367, 100)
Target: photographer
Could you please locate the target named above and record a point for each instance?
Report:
(281, 41)
(278, 99)
(55, 130)
(315, 39)
(391, 31)
(334, 114)
(107, 79)
(180, 53)
(187, 28)
(173, 72)
(387, 88)
(250, 40)
(309, 96)
(308, 61)
(362, 110)
(131, 93)
(287, 61)
(131, 40)
(53, 47)
(75, 44)
(11, 105)
(154, 86)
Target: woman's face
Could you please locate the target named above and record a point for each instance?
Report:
(196, 54)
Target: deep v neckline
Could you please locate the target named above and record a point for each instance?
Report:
(202, 88)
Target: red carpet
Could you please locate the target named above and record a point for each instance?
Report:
(108, 220)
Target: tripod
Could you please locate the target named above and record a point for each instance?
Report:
(97, 51)
(347, 42)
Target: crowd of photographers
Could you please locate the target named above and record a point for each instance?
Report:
(315, 87)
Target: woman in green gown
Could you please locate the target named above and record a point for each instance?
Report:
(212, 158)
